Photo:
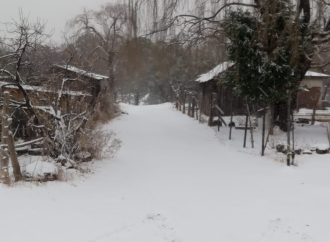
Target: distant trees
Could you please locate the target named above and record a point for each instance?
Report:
(267, 39)
(125, 39)
(19, 64)
(134, 31)
(107, 27)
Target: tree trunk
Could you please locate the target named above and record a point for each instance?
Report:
(4, 140)
(281, 115)
(13, 157)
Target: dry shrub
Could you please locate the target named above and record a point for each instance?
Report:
(94, 142)
(105, 109)
(75, 136)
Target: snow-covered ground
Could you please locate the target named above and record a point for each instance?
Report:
(175, 180)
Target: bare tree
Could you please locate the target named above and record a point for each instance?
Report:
(15, 65)
(25, 39)
(107, 25)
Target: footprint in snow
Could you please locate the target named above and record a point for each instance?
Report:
(154, 227)
(279, 230)
(162, 224)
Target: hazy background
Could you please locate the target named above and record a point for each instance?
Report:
(54, 12)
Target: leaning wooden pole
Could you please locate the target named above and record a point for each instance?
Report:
(263, 145)
(245, 130)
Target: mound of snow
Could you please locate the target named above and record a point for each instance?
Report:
(40, 170)
(322, 146)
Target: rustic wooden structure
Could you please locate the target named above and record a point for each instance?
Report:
(212, 90)
(214, 100)
(72, 78)
(313, 90)
(312, 93)
(67, 90)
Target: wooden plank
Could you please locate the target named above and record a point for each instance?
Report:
(24, 143)
(222, 120)
(219, 110)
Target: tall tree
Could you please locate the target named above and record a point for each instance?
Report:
(107, 26)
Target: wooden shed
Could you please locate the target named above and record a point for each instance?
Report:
(313, 90)
(66, 90)
(75, 79)
(212, 91)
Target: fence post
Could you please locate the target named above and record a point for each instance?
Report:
(193, 107)
(184, 103)
(211, 114)
(245, 130)
(250, 122)
(263, 146)
(189, 106)
(231, 125)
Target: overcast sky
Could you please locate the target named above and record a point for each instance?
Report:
(54, 12)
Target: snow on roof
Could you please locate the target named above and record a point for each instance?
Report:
(315, 74)
(43, 89)
(214, 72)
(82, 72)
(227, 64)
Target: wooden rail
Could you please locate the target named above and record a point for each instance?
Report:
(220, 113)
(187, 103)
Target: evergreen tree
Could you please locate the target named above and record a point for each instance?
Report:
(268, 50)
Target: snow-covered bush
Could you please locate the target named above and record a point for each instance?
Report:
(41, 171)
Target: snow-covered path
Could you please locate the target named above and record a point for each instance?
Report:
(172, 180)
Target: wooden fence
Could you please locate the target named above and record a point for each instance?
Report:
(188, 102)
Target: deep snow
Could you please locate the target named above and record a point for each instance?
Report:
(174, 180)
